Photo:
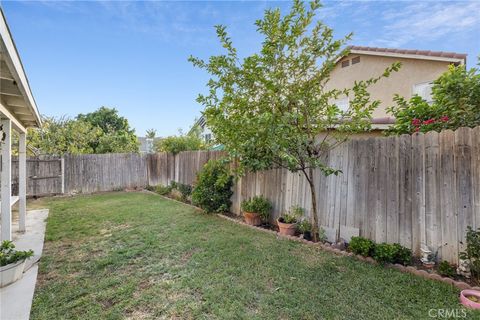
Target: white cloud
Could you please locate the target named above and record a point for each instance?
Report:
(428, 21)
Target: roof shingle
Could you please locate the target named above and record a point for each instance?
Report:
(429, 53)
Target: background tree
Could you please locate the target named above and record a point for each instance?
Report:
(273, 109)
(59, 136)
(455, 104)
(151, 133)
(180, 142)
(84, 134)
(117, 135)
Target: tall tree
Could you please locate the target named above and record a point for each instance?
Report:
(117, 135)
(274, 108)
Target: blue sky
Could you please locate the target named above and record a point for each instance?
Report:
(133, 55)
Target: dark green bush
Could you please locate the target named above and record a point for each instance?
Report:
(258, 204)
(385, 252)
(150, 188)
(446, 269)
(213, 189)
(403, 255)
(362, 246)
(472, 253)
(185, 190)
(392, 253)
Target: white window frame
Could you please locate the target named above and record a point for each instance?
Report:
(426, 96)
(341, 103)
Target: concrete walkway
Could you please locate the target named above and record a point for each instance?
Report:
(16, 299)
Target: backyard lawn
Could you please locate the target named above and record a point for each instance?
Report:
(140, 256)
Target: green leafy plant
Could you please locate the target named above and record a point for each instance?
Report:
(185, 190)
(9, 255)
(403, 255)
(258, 204)
(180, 142)
(446, 269)
(472, 252)
(163, 190)
(455, 103)
(268, 109)
(213, 189)
(304, 226)
(362, 246)
(392, 253)
(293, 215)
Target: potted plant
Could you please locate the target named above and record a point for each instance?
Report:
(305, 228)
(287, 223)
(12, 262)
(256, 209)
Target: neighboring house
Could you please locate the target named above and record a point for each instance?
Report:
(147, 145)
(419, 69)
(200, 127)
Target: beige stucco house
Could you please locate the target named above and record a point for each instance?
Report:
(419, 69)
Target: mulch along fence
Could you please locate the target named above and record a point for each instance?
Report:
(414, 190)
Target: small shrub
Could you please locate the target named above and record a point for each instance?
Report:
(362, 246)
(163, 190)
(472, 253)
(403, 255)
(304, 226)
(446, 269)
(258, 204)
(150, 188)
(392, 253)
(185, 190)
(9, 255)
(385, 252)
(214, 187)
(293, 215)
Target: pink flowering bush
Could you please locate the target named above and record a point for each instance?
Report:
(456, 103)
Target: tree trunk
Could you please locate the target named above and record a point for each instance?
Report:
(314, 218)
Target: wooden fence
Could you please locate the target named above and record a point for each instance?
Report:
(414, 190)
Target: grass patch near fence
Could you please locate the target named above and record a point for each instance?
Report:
(140, 256)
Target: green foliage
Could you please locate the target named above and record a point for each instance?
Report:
(446, 269)
(59, 136)
(392, 253)
(151, 133)
(9, 255)
(85, 134)
(185, 190)
(269, 108)
(456, 103)
(179, 143)
(117, 136)
(403, 255)
(213, 189)
(293, 215)
(304, 226)
(362, 246)
(259, 205)
(472, 253)
(163, 190)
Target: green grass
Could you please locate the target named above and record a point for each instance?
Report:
(139, 256)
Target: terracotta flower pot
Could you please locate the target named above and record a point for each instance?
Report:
(467, 302)
(252, 218)
(287, 229)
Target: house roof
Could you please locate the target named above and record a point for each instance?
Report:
(453, 57)
(16, 98)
